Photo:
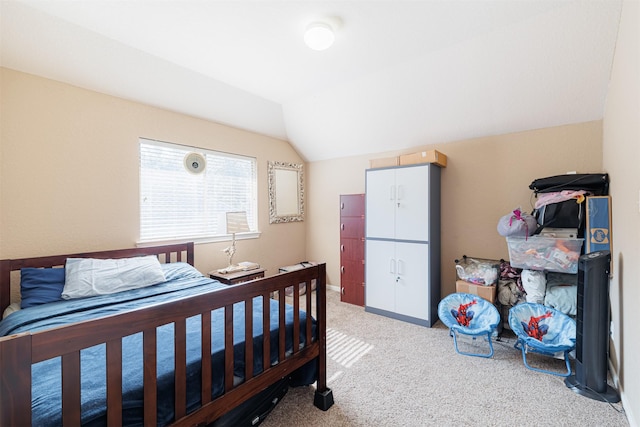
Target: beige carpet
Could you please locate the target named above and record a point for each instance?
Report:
(384, 372)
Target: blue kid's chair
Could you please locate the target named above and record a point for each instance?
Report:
(471, 315)
(543, 330)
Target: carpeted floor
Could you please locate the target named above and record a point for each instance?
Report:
(384, 372)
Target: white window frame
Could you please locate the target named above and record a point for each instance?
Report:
(205, 220)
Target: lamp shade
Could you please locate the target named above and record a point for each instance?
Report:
(319, 36)
(237, 222)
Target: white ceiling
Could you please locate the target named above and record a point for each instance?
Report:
(400, 74)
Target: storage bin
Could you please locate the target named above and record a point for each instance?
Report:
(545, 253)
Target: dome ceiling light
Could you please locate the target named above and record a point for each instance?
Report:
(320, 35)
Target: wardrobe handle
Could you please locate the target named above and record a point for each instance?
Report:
(341, 205)
(342, 269)
(341, 248)
(342, 227)
(392, 266)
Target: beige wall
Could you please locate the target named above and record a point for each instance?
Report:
(69, 172)
(485, 178)
(621, 153)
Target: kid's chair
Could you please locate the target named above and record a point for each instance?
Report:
(471, 315)
(543, 330)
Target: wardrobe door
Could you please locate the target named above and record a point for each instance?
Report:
(412, 203)
(412, 296)
(380, 275)
(381, 200)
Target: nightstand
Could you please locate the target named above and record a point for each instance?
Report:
(237, 276)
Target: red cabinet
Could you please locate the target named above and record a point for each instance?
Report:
(352, 248)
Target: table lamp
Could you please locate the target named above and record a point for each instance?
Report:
(236, 223)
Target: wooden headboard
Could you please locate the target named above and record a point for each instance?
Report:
(165, 253)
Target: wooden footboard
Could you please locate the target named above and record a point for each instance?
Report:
(18, 352)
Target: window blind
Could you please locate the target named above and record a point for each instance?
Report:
(176, 204)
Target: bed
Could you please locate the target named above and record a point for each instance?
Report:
(181, 352)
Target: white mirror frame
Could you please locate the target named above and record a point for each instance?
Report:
(286, 192)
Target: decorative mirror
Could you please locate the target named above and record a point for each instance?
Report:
(286, 192)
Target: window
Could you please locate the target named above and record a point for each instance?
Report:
(176, 204)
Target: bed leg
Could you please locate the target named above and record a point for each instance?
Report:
(323, 399)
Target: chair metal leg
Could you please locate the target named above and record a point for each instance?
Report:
(522, 346)
(455, 342)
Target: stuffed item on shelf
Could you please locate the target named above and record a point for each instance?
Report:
(517, 224)
(509, 294)
(535, 285)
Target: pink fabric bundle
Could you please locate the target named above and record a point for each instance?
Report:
(557, 197)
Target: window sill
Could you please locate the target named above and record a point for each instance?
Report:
(200, 240)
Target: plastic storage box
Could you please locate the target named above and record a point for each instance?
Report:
(545, 253)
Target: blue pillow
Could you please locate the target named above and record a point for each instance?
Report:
(40, 286)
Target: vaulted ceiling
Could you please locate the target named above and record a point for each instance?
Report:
(400, 73)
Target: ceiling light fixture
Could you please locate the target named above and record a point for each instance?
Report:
(319, 36)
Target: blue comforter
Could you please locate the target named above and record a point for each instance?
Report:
(182, 281)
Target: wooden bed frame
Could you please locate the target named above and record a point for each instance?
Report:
(18, 352)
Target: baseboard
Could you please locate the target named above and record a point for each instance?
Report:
(627, 409)
(333, 288)
(614, 374)
(626, 405)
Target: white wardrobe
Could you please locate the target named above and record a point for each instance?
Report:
(402, 242)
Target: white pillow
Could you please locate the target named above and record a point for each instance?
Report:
(85, 277)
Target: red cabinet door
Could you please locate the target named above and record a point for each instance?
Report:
(352, 205)
(352, 270)
(353, 293)
(352, 227)
(352, 249)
